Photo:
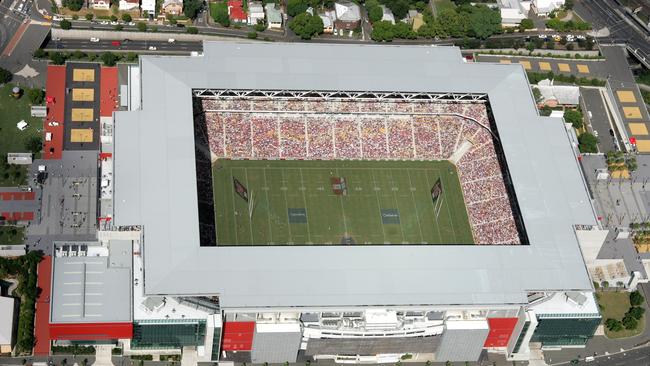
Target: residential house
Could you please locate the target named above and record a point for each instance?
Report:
(558, 95)
(328, 18)
(7, 323)
(348, 15)
(513, 11)
(149, 6)
(255, 12)
(273, 16)
(129, 4)
(173, 7)
(99, 4)
(415, 19)
(387, 15)
(236, 11)
(545, 7)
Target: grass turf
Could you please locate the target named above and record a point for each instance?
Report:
(277, 186)
(11, 138)
(614, 305)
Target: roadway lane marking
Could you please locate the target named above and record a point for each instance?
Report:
(505, 61)
(526, 64)
(545, 66)
(583, 69)
(643, 145)
(564, 67)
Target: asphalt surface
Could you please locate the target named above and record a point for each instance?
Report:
(124, 45)
(10, 19)
(621, 27)
(599, 118)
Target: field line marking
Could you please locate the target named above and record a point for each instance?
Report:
(286, 207)
(374, 183)
(415, 204)
(268, 205)
(250, 218)
(304, 200)
(394, 195)
(345, 224)
(234, 207)
(433, 210)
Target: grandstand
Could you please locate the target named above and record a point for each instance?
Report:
(319, 126)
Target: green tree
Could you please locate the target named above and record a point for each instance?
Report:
(36, 96)
(452, 23)
(34, 144)
(588, 143)
(75, 16)
(636, 299)
(526, 24)
(220, 14)
(57, 58)
(537, 95)
(399, 8)
(65, 24)
(90, 16)
(251, 35)
(192, 7)
(74, 5)
(629, 322)
(118, 27)
(109, 58)
(192, 30)
(484, 21)
(5, 76)
(142, 26)
(113, 18)
(574, 117)
(382, 31)
(432, 29)
(375, 13)
(306, 25)
(614, 325)
(568, 4)
(295, 7)
(40, 53)
(636, 312)
(126, 17)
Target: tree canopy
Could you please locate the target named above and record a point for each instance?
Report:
(74, 5)
(306, 25)
(588, 143)
(574, 117)
(191, 8)
(5, 76)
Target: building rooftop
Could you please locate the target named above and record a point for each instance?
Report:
(6, 319)
(155, 185)
(91, 283)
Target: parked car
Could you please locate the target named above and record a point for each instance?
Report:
(116, 43)
(171, 40)
(152, 48)
(94, 39)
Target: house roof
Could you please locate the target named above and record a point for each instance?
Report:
(273, 15)
(236, 11)
(347, 11)
(6, 319)
(155, 185)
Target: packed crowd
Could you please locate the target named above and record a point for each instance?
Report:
(244, 129)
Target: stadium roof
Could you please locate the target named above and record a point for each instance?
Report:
(155, 185)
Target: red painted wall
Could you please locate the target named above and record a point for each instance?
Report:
(500, 331)
(238, 336)
(91, 331)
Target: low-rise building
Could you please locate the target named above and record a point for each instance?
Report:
(387, 15)
(348, 15)
(129, 4)
(328, 19)
(545, 7)
(558, 95)
(99, 4)
(149, 6)
(236, 11)
(255, 12)
(273, 16)
(7, 322)
(173, 7)
(513, 11)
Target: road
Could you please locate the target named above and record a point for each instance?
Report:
(622, 29)
(125, 46)
(11, 19)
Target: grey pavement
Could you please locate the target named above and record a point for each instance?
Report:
(597, 67)
(69, 201)
(599, 118)
(22, 55)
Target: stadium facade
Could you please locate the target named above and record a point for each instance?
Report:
(349, 303)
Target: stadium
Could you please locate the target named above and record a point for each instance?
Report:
(354, 203)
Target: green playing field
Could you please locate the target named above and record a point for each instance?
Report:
(387, 202)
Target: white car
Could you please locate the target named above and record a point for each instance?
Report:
(131, 23)
(152, 48)
(171, 40)
(542, 36)
(580, 36)
(94, 40)
(105, 22)
(114, 23)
